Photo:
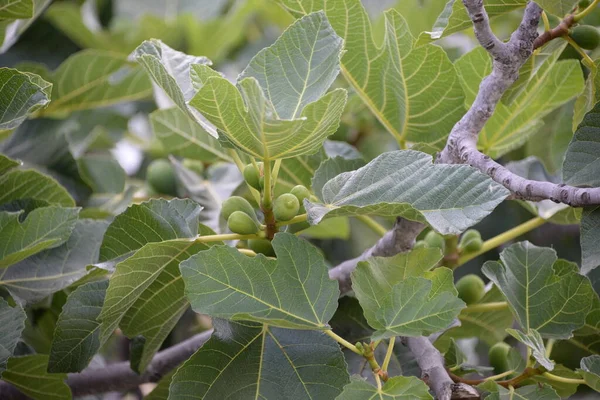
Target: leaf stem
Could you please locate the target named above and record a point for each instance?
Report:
(378, 381)
(546, 21)
(388, 354)
(483, 307)
(276, 167)
(587, 61)
(295, 220)
(514, 382)
(247, 252)
(371, 223)
(549, 346)
(562, 379)
(343, 341)
(267, 200)
(499, 376)
(586, 11)
(224, 236)
(503, 238)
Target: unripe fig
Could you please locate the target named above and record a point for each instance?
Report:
(434, 239)
(498, 356)
(237, 203)
(420, 244)
(470, 241)
(261, 246)
(286, 207)
(252, 175)
(301, 193)
(194, 165)
(586, 36)
(242, 223)
(161, 177)
(470, 288)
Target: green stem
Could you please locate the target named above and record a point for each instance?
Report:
(343, 342)
(371, 223)
(546, 21)
(295, 220)
(388, 354)
(586, 11)
(549, 346)
(276, 167)
(587, 61)
(247, 252)
(499, 376)
(503, 238)
(563, 379)
(267, 200)
(224, 236)
(483, 307)
(240, 164)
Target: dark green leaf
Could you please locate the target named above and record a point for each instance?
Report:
(12, 323)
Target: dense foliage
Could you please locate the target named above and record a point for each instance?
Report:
(298, 199)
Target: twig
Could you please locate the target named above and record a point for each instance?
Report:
(119, 377)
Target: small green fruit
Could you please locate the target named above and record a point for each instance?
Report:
(498, 356)
(195, 166)
(420, 244)
(470, 241)
(252, 175)
(434, 239)
(161, 177)
(470, 288)
(286, 207)
(586, 36)
(242, 223)
(301, 193)
(261, 246)
(237, 203)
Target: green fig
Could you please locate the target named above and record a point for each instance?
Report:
(286, 207)
(237, 203)
(471, 288)
(261, 246)
(161, 177)
(242, 223)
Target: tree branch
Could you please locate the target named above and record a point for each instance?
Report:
(119, 377)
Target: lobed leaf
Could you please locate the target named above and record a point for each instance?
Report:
(398, 387)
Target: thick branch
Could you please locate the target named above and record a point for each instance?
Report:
(120, 377)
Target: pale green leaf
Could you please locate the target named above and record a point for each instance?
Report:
(398, 388)
(299, 67)
(16, 9)
(29, 375)
(96, 78)
(152, 221)
(590, 369)
(52, 270)
(245, 117)
(21, 94)
(406, 183)
(590, 95)
(534, 341)
(252, 361)
(20, 184)
(77, 334)
(12, 323)
(293, 291)
(11, 29)
(181, 136)
(529, 392)
(414, 92)
(560, 8)
(43, 228)
(454, 17)
(550, 84)
(581, 166)
(145, 296)
(542, 294)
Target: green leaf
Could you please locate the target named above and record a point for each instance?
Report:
(299, 67)
(586, 337)
(7, 163)
(398, 387)
(145, 296)
(454, 17)
(534, 341)
(30, 184)
(161, 390)
(331, 168)
(12, 323)
(170, 70)
(152, 221)
(559, 8)
(590, 96)
(29, 375)
(96, 78)
(11, 29)
(406, 183)
(16, 9)
(182, 136)
(542, 295)
(247, 120)
(590, 369)
(549, 85)
(590, 253)
(414, 92)
(52, 270)
(43, 228)
(563, 389)
(581, 166)
(77, 333)
(102, 173)
(529, 392)
(293, 291)
(21, 93)
(249, 360)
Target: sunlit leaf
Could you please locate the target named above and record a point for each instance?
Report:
(249, 360)
(293, 291)
(16, 9)
(406, 183)
(559, 8)
(11, 29)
